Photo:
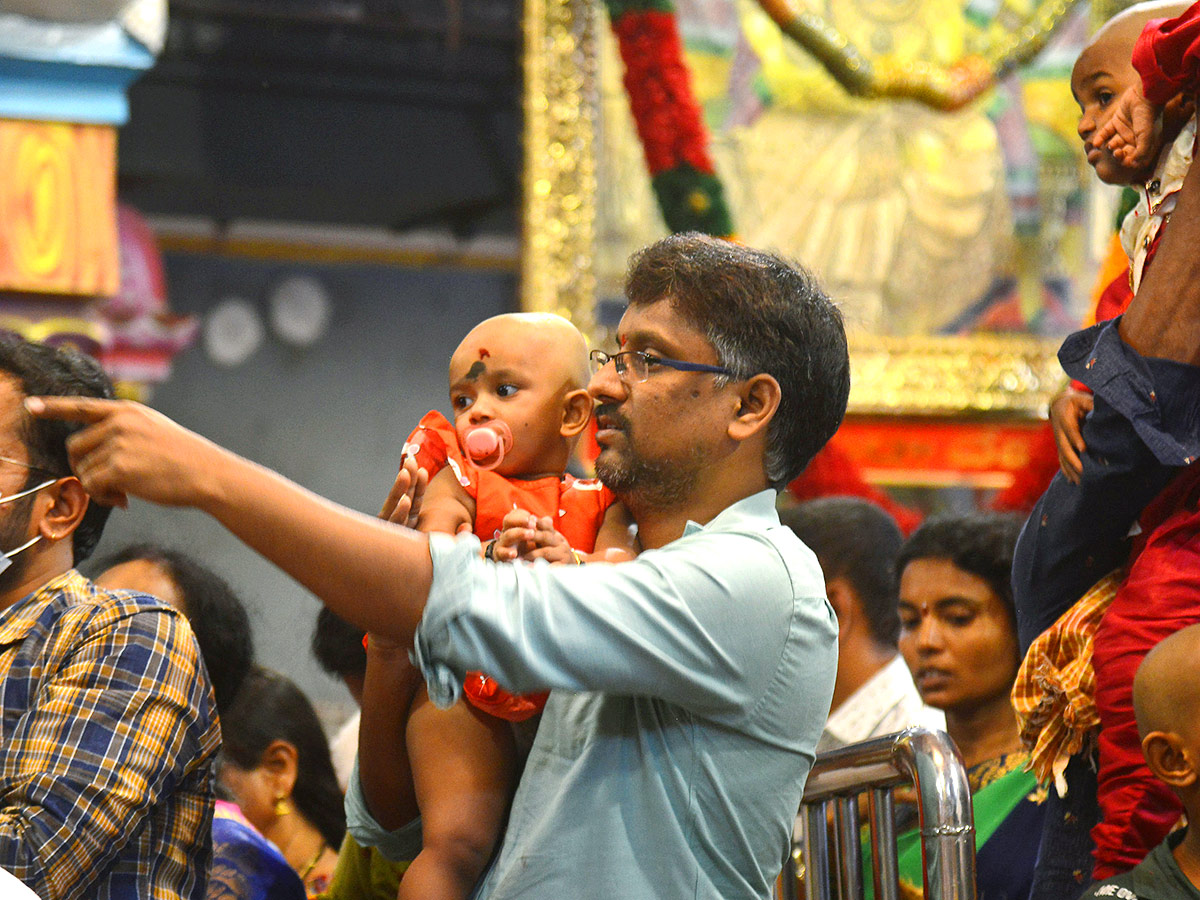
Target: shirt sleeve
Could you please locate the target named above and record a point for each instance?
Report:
(1167, 55)
(701, 623)
(105, 738)
(401, 845)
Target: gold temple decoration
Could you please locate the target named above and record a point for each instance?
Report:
(1013, 41)
(560, 103)
(1008, 376)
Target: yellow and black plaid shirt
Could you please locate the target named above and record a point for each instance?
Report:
(108, 736)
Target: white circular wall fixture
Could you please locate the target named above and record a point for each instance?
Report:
(232, 332)
(300, 310)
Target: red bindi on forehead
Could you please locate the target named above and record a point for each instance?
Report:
(483, 353)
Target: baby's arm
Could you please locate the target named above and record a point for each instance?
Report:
(446, 507)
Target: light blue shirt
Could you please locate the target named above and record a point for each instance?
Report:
(689, 686)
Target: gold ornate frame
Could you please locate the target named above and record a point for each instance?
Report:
(1010, 378)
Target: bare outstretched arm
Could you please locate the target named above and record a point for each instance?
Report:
(372, 573)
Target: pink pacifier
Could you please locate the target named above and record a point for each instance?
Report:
(487, 443)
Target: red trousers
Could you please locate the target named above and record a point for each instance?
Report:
(1160, 596)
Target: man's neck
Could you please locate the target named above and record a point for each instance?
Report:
(658, 525)
(39, 570)
(856, 667)
(1187, 854)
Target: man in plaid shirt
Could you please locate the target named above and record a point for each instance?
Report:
(108, 731)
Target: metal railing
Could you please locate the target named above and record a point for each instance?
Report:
(930, 762)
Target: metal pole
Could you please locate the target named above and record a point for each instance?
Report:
(845, 815)
(882, 812)
(928, 760)
(947, 818)
(816, 852)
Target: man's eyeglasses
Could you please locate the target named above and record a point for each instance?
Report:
(25, 465)
(6, 498)
(636, 365)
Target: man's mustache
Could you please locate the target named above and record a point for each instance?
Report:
(609, 411)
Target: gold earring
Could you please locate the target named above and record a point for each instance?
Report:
(282, 807)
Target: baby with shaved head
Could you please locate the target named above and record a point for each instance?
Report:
(1166, 698)
(519, 404)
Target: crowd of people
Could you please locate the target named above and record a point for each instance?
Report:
(616, 687)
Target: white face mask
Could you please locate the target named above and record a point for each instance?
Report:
(6, 557)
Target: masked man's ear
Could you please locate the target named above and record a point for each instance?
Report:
(60, 508)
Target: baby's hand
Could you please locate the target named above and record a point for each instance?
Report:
(525, 536)
(1130, 132)
(1067, 412)
(403, 503)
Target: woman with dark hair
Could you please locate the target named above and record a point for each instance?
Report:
(217, 616)
(276, 765)
(958, 635)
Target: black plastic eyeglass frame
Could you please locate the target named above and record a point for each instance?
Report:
(619, 360)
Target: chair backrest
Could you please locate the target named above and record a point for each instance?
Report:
(832, 857)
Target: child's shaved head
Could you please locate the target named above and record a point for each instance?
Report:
(1166, 689)
(1126, 25)
(554, 341)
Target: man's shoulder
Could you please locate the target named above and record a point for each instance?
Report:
(746, 540)
(70, 609)
(1125, 887)
(1118, 888)
(1157, 877)
(78, 597)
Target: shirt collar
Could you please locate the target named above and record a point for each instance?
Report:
(875, 698)
(757, 508)
(18, 619)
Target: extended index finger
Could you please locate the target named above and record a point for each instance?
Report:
(71, 409)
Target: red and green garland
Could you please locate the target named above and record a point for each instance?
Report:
(668, 119)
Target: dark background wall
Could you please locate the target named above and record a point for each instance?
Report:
(392, 114)
(332, 417)
(383, 115)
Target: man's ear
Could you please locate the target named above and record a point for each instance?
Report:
(281, 761)
(758, 400)
(840, 598)
(577, 412)
(1168, 759)
(61, 507)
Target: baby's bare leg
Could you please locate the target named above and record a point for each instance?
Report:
(464, 767)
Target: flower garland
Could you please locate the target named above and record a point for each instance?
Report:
(668, 119)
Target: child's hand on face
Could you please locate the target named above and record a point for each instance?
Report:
(524, 536)
(1067, 412)
(1130, 132)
